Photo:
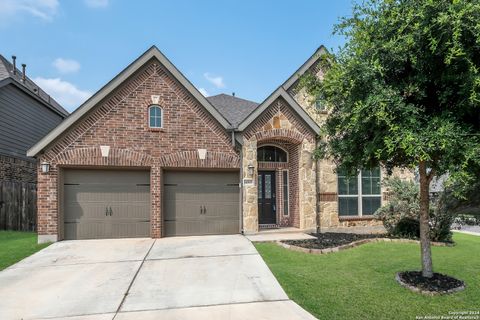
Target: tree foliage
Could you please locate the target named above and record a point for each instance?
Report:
(406, 86)
(405, 92)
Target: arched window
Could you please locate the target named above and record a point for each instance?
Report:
(155, 114)
(271, 154)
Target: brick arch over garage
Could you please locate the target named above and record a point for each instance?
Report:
(190, 159)
(92, 156)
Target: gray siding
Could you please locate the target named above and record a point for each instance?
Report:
(23, 121)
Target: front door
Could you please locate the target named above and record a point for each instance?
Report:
(267, 213)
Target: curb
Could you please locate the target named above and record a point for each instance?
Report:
(356, 244)
(427, 292)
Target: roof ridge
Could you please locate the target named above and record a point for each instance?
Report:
(233, 97)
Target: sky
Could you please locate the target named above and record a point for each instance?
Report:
(250, 47)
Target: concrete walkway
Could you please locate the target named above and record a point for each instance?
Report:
(208, 277)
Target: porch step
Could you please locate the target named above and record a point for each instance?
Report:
(268, 226)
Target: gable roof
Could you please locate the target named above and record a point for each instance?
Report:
(304, 67)
(234, 109)
(153, 52)
(280, 92)
(7, 76)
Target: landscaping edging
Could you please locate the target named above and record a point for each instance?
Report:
(356, 244)
(427, 292)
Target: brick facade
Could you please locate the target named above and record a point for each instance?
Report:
(119, 122)
(18, 169)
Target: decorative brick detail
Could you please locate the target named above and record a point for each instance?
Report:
(328, 196)
(288, 135)
(92, 157)
(190, 159)
(287, 120)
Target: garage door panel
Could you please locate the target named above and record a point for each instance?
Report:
(106, 204)
(127, 229)
(83, 211)
(197, 203)
(93, 229)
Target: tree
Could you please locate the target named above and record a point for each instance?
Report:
(404, 91)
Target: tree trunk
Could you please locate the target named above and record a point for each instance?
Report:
(427, 269)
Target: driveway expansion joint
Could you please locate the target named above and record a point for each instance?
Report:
(133, 279)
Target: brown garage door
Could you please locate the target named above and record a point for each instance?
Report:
(106, 204)
(198, 203)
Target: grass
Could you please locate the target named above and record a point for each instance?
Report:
(15, 246)
(359, 283)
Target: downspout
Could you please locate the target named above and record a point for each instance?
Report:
(241, 191)
(240, 183)
(317, 194)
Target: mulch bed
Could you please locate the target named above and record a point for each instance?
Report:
(331, 240)
(438, 284)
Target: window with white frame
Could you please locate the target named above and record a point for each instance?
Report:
(155, 114)
(359, 195)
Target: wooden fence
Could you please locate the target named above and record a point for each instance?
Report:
(18, 206)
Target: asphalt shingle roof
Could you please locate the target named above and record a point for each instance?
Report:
(234, 109)
(6, 71)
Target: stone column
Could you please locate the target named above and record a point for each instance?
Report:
(307, 188)
(250, 193)
(328, 198)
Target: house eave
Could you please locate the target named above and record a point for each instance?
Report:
(280, 92)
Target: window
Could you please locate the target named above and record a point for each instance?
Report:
(285, 192)
(271, 154)
(359, 195)
(155, 114)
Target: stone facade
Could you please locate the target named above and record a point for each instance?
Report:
(279, 126)
(327, 187)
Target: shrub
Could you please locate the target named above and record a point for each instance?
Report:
(441, 220)
(401, 213)
(403, 203)
(407, 228)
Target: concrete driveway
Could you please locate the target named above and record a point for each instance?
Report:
(208, 277)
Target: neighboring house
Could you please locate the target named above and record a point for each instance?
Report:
(26, 115)
(148, 155)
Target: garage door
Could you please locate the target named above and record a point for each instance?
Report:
(198, 203)
(106, 204)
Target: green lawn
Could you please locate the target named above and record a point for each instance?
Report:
(14, 246)
(359, 283)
